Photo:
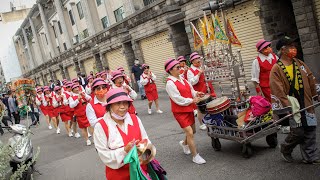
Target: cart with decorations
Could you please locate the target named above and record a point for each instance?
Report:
(229, 116)
(24, 91)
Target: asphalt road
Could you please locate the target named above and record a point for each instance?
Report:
(66, 158)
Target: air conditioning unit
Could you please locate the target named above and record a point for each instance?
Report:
(74, 40)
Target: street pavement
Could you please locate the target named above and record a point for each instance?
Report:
(65, 158)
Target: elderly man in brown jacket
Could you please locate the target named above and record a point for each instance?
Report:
(290, 78)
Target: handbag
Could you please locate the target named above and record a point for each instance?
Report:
(156, 171)
(259, 105)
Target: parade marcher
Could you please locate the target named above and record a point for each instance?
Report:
(104, 77)
(89, 85)
(58, 102)
(261, 68)
(116, 134)
(196, 78)
(183, 66)
(96, 108)
(13, 108)
(98, 75)
(39, 102)
(292, 88)
(66, 113)
(49, 101)
(81, 88)
(79, 101)
(73, 123)
(127, 79)
(147, 79)
(183, 98)
(136, 72)
(119, 82)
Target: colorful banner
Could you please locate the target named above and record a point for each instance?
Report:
(204, 31)
(220, 35)
(209, 25)
(232, 35)
(197, 39)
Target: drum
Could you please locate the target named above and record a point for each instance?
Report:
(218, 105)
(202, 104)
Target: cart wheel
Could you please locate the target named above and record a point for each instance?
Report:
(247, 151)
(272, 141)
(215, 142)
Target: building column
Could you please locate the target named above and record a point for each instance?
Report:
(97, 58)
(309, 38)
(35, 36)
(66, 72)
(62, 71)
(57, 31)
(44, 80)
(33, 65)
(137, 51)
(23, 51)
(88, 17)
(180, 39)
(81, 67)
(63, 23)
(76, 65)
(129, 54)
(46, 29)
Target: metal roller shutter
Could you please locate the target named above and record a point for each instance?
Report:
(248, 29)
(59, 75)
(317, 9)
(156, 50)
(88, 65)
(72, 72)
(117, 59)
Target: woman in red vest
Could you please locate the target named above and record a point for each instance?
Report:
(79, 102)
(39, 102)
(261, 68)
(147, 79)
(116, 133)
(49, 102)
(96, 109)
(57, 105)
(183, 98)
(118, 81)
(127, 79)
(89, 86)
(66, 113)
(196, 78)
(183, 66)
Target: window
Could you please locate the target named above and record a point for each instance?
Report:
(105, 22)
(60, 29)
(80, 11)
(54, 32)
(85, 33)
(147, 2)
(76, 38)
(119, 14)
(59, 49)
(65, 46)
(99, 2)
(71, 18)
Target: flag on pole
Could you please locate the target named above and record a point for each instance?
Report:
(210, 29)
(232, 35)
(220, 35)
(197, 39)
(205, 33)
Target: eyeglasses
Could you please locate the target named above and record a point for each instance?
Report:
(178, 67)
(146, 67)
(101, 87)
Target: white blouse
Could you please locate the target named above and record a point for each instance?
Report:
(255, 71)
(144, 80)
(91, 114)
(174, 93)
(111, 149)
(191, 77)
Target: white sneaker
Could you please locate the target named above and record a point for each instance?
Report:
(89, 135)
(70, 134)
(149, 111)
(159, 111)
(58, 131)
(203, 127)
(88, 142)
(77, 135)
(285, 129)
(198, 159)
(185, 148)
(50, 127)
(71, 130)
(195, 112)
